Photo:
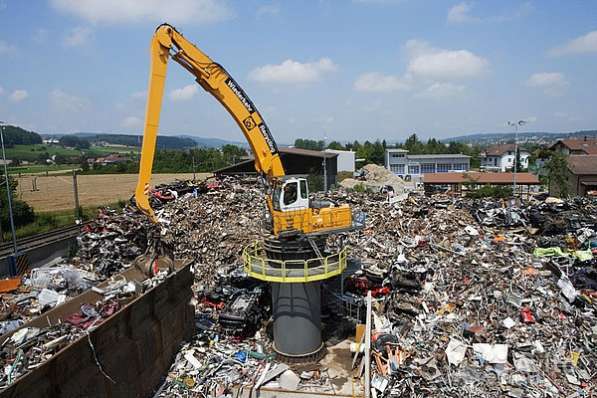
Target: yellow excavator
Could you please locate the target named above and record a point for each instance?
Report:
(287, 197)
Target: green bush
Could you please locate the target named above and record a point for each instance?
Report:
(360, 187)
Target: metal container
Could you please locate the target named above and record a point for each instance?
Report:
(296, 309)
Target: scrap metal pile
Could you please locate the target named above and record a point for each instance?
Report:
(482, 297)
(468, 304)
(464, 300)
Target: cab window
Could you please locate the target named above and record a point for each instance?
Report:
(290, 193)
(276, 198)
(304, 192)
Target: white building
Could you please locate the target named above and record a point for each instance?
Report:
(402, 164)
(346, 160)
(501, 157)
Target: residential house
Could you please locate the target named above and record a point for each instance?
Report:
(582, 175)
(584, 146)
(110, 159)
(501, 157)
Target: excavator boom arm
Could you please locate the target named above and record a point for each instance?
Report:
(167, 43)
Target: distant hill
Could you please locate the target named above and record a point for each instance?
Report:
(14, 135)
(164, 141)
(207, 142)
(537, 136)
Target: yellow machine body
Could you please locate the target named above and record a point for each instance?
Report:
(168, 43)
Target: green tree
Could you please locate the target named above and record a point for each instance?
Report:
(84, 164)
(309, 144)
(335, 145)
(557, 174)
(232, 153)
(73, 141)
(377, 153)
(22, 212)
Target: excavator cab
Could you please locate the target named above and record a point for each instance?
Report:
(290, 194)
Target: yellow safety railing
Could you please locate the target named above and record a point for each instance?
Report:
(258, 266)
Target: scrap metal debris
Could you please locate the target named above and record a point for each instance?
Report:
(476, 297)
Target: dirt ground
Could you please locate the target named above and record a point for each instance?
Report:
(56, 192)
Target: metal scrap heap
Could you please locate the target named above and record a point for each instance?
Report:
(476, 296)
(480, 297)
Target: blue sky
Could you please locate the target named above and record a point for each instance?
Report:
(335, 69)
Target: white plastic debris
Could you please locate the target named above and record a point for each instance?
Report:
(289, 380)
(20, 336)
(471, 231)
(524, 364)
(50, 298)
(455, 351)
(508, 323)
(192, 360)
(492, 353)
(567, 289)
(379, 382)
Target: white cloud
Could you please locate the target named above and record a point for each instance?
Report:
(291, 71)
(378, 82)
(6, 48)
(442, 64)
(65, 102)
(77, 36)
(18, 95)
(431, 71)
(1, 90)
(268, 9)
(585, 44)
(461, 13)
(184, 93)
(125, 11)
(131, 122)
(441, 90)
(552, 83)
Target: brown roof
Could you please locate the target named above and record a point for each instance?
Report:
(582, 164)
(480, 178)
(499, 150)
(307, 152)
(588, 146)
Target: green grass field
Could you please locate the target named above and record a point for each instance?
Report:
(41, 168)
(48, 221)
(32, 153)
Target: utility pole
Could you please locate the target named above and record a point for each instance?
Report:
(76, 193)
(325, 173)
(193, 157)
(9, 197)
(514, 169)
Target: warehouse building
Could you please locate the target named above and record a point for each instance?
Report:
(475, 179)
(403, 164)
(346, 160)
(297, 162)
